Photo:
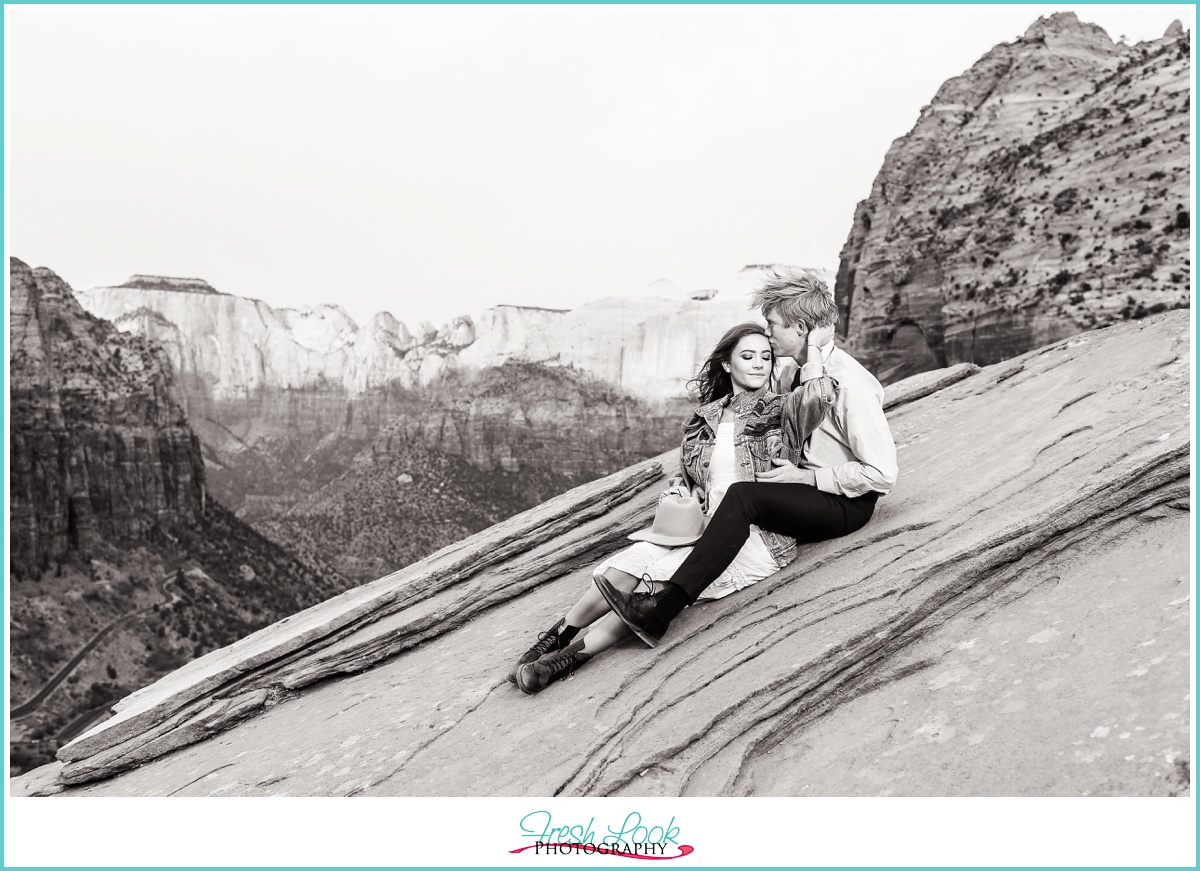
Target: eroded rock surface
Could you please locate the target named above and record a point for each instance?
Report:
(1043, 192)
(1014, 620)
(100, 448)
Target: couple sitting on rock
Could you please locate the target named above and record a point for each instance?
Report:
(760, 472)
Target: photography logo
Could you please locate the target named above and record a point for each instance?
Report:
(633, 839)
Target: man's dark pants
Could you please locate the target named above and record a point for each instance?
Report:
(798, 510)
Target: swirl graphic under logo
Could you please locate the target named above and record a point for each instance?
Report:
(684, 850)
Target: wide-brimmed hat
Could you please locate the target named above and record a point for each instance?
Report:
(679, 520)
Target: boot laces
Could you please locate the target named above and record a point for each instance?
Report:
(546, 642)
(652, 588)
(563, 664)
(646, 603)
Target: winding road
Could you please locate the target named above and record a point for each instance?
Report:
(28, 707)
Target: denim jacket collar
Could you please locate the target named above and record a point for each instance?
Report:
(745, 402)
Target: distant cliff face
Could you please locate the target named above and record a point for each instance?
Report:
(228, 348)
(1042, 193)
(99, 445)
(647, 345)
(283, 400)
(116, 553)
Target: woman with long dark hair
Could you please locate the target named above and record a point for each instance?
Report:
(736, 431)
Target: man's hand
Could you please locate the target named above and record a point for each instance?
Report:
(786, 472)
(820, 335)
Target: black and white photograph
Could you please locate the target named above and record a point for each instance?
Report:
(623, 402)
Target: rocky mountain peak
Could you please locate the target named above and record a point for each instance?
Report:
(386, 327)
(1065, 28)
(1043, 192)
(459, 332)
(385, 321)
(166, 282)
(1174, 30)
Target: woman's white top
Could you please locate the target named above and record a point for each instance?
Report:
(722, 469)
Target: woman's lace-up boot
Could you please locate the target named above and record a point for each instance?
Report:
(533, 677)
(547, 642)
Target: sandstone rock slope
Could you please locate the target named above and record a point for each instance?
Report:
(1014, 621)
(1043, 192)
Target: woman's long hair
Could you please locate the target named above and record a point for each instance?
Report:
(713, 382)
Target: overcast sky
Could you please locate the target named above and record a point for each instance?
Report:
(431, 161)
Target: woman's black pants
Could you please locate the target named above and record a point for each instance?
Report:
(803, 512)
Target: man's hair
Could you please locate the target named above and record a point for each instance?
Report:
(799, 296)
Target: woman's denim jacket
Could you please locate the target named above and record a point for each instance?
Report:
(766, 426)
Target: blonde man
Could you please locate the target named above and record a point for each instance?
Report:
(847, 463)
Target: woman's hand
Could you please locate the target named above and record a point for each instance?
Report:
(675, 490)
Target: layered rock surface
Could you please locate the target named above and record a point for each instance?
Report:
(1043, 192)
(1013, 621)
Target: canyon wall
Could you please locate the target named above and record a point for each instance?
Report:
(122, 566)
(1043, 192)
(99, 445)
(233, 349)
(284, 400)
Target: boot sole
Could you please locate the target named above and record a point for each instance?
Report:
(607, 590)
